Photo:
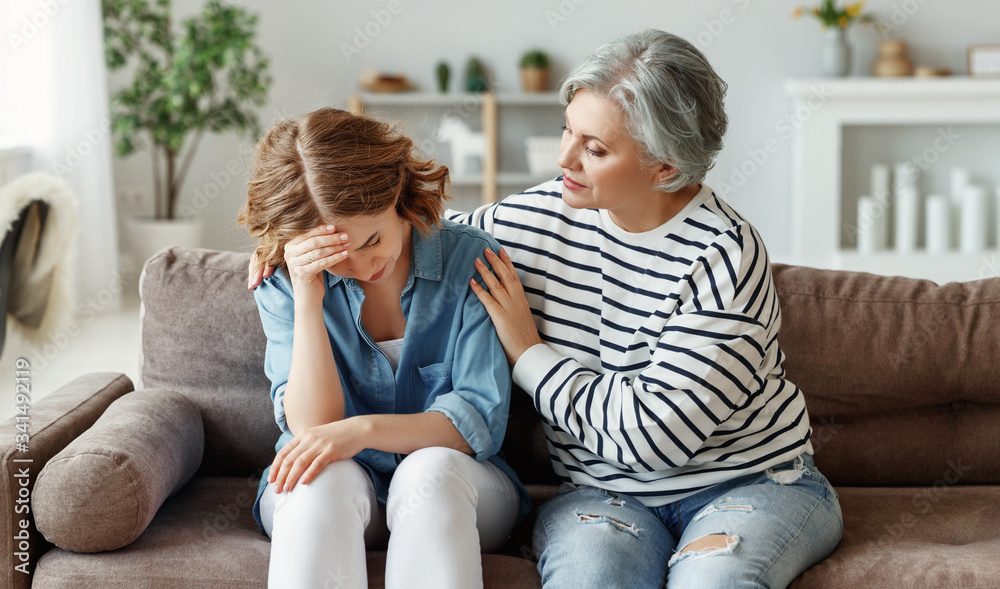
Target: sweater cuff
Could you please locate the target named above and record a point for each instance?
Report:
(533, 366)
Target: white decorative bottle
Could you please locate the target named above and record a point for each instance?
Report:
(959, 180)
(872, 226)
(907, 207)
(939, 223)
(974, 220)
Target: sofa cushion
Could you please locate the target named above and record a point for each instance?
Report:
(893, 368)
(205, 537)
(202, 337)
(925, 538)
(102, 490)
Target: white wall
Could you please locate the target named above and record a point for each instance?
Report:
(754, 45)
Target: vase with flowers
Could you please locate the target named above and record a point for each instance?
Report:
(835, 20)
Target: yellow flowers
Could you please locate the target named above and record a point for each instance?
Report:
(832, 15)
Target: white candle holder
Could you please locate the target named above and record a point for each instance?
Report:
(939, 223)
(972, 238)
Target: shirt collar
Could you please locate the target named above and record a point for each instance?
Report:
(426, 258)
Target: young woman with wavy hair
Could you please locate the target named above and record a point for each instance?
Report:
(389, 384)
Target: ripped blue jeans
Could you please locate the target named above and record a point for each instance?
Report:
(759, 530)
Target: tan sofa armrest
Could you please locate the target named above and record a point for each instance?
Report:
(53, 422)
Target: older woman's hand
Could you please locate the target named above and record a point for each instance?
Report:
(257, 272)
(506, 304)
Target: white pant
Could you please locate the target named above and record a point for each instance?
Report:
(443, 509)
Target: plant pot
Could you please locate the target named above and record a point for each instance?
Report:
(535, 79)
(836, 53)
(147, 235)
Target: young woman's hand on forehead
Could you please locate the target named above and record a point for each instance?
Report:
(308, 254)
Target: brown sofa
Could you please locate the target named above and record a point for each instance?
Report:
(902, 379)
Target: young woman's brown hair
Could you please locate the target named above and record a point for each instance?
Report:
(329, 165)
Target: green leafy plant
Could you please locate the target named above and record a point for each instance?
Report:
(206, 76)
(535, 58)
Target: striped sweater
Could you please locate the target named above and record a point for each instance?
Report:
(660, 372)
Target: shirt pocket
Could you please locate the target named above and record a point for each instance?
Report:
(429, 382)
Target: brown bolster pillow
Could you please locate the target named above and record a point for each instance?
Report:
(102, 490)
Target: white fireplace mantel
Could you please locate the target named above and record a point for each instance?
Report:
(821, 109)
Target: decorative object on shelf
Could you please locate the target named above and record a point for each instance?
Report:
(880, 181)
(467, 146)
(907, 175)
(892, 60)
(984, 61)
(907, 207)
(873, 227)
(873, 212)
(972, 237)
(939, 224)
(374, 81)
(836, 53)
(208, 77)
(959, 179)
(443, 74)
(929, 71)
(535, 71)
(835, 19)
(475, 76)
(543, 155)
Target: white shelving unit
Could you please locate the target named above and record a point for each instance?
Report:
(824, 107)
(489, 105)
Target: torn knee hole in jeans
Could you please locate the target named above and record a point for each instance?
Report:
(614, 499)
(720, 506)
(787, 477)
(618, 524)
(710, 545)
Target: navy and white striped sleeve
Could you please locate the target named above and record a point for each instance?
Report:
(482, 217)
(707, 363)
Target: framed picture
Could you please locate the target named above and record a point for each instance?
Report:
(984, 61)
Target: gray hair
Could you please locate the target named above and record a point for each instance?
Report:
(671, 97)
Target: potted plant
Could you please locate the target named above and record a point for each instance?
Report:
(835, 20)
(205, 77)
(535, 71)
(475, 76)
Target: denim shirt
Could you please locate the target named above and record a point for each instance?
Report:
(451, 360)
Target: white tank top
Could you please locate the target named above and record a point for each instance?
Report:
(392, 349)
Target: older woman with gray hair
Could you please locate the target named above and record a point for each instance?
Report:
(638, 310)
